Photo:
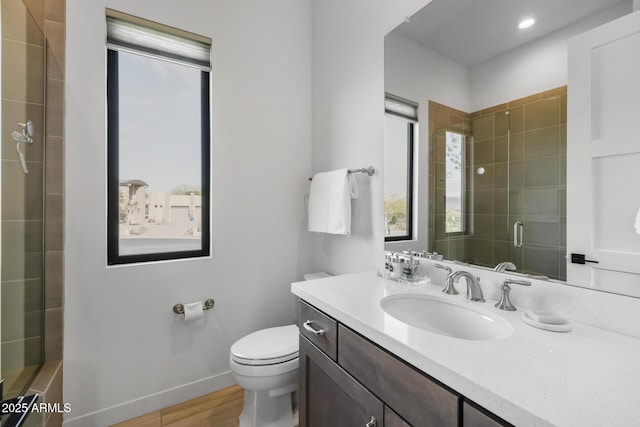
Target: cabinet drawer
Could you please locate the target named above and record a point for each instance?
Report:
(415, 397)
(318, 328)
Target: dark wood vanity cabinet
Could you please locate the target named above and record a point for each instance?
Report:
(415, 397)
(346, 380)
(330, 397)
(391, 419)
(475, 416)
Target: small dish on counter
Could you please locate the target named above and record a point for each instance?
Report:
(557, 326)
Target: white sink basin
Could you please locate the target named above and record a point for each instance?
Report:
(443, 316)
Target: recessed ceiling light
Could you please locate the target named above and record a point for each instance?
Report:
(526, 23)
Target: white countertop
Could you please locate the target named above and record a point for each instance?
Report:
(585, 377)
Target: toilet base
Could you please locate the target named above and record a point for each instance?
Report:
(262, 410)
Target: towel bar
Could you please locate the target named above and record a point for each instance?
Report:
(369, 171)
(206, 305)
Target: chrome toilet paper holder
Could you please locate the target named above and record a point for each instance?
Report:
(206, 305)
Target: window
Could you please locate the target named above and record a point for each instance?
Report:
(454, 182)
(158, 141)
(399, 132)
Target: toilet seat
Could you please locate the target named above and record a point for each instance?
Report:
(267, 347)
(264, 362)
(258, 371)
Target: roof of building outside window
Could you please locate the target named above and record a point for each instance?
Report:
(133, 183)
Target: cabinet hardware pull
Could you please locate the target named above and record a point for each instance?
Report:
(308, 327)
(372, 423)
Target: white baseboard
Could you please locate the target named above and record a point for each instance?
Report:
(150, 403)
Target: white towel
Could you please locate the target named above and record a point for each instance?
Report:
(330, 202)
(637, 224)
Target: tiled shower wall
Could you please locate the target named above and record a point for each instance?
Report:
(51, 15)
(523, 180)
(441, 119)
(54, 24)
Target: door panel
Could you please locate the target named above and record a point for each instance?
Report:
(603, 148)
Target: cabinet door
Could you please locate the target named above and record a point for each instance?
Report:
(391, 419)
(415, 397)
(329, 397)
(603, 156)
(474, 416)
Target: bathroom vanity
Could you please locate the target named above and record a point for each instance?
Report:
(343, 372)
(361, 366)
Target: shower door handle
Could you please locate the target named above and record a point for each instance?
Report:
(581, 259)
(518, 234)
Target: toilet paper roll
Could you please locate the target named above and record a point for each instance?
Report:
(193, 311)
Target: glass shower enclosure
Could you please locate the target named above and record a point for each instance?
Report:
(498, 184)
(22, 189)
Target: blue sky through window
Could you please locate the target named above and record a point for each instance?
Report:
(160, 136)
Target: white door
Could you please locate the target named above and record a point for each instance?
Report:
(603, 156)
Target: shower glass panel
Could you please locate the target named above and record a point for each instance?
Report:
(22, 190)
(537, 185)
(449, 181)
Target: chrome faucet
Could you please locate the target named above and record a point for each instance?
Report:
(449, 289)
(505, 302)
(505, 265)
(474, 291)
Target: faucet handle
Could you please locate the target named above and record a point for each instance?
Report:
(450, 288)
(505, 302)
(517, 282)
(443, 267)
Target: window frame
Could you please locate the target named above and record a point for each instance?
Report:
(463, 187)
(404, 109)
(113, 179)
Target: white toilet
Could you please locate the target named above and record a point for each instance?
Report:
(265, 364)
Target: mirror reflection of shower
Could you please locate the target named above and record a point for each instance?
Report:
(26, 137)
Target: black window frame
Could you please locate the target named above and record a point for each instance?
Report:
(410, 173)
(113, 179)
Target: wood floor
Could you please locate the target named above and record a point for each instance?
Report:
(219, 409)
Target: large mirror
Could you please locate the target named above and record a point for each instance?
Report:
(490, 157)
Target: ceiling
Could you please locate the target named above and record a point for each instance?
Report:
(452, 27)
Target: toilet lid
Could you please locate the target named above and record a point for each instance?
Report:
(267, 346)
